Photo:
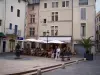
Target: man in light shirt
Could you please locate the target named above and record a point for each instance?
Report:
(57, 52)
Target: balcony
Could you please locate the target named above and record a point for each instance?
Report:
(12, 31)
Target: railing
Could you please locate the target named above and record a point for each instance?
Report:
(12, 31)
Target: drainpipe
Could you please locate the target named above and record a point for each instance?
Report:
(4, 14)
(24, 24)
(95, 30)
(72, 29)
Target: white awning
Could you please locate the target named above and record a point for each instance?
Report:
(63, 39)
(55, 41)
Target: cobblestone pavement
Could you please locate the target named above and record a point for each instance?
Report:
(9, 65)
(82, 68)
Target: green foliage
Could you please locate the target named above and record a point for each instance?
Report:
(86, 43)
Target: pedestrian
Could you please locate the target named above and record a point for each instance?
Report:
(18, 50)
(54, 52)
(57, 52)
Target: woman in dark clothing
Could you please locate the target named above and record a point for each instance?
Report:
(54, 51)
(17, 50)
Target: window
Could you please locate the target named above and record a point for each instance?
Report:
(32, 19)
(44, 33)
(18, 13)
(0, 22)
(16, 29)
(52, 30)
(54, 4)
(10, 26)
(19, 1)
(65, 3)
(99, 18)
(45, 5)
(54, 16)
(83, 28)
(56, 30)
(44, 20)
(32, 31)
(11, 8)
(83, 13)
(83, 2)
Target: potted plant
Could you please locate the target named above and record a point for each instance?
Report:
(87, 44)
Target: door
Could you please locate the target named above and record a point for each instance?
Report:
(4, 46)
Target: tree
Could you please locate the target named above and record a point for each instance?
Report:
(87, 44)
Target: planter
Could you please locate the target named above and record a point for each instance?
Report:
(88, 56)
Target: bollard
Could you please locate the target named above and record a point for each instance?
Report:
(39, 72)
(63, 66)
(84, 59)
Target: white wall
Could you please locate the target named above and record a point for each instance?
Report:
(11, 17)
(2, 15)
(90, 19)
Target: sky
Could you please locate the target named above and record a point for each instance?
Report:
(97, 5)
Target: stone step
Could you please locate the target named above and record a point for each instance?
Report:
(54, 67)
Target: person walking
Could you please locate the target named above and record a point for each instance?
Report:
(57, 52)
(18, 51)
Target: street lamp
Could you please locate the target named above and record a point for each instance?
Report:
(47, 38)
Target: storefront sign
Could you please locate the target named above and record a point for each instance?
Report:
(20, 38)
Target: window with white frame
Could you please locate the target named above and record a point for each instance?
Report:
(32, 31)
(45, 5)
(18, 13)
(65, 3)
(83, 2)
(11, 8)
(83, 13)
(54, 16)
(56, 30)
(32, 19)
(54, 4)
(83, 29)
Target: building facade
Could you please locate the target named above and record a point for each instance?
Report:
(13, 22)
(98, 30)
(32, 21)
(67, 20)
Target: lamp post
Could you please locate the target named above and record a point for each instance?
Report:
(47, 38)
